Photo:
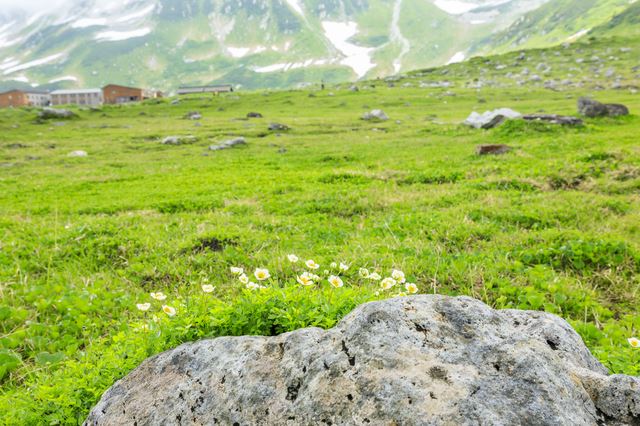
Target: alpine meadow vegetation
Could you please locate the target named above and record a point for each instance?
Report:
(139, 246)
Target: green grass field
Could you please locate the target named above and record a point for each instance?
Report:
(553, 225)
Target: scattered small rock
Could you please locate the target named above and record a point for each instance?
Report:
(375, 115)
(277, 127)
(564, 120)
(178, 140)
(78, 154)
(228, 144)
(254, 115)
(492, 149)
(193, 115)
(53, 113)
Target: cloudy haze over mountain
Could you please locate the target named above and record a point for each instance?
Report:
(253, 43)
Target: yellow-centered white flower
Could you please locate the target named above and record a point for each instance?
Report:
(158, 296)
(374, 276)
(411, 288)
(335, 281)
(253, 286)
(635, 343)
(344, 267)
(243, 278)
(143, 306)
(387, 283)
(305, 279)
(168, 310)
(261, 274)
(292, 258)
(363, 272)
(208, 288)
(236, 271)
(398, 275)
(311, 264)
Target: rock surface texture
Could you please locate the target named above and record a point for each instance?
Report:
(424, 360)
(53, 113)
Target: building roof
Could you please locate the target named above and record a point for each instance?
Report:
(75, 91)
(124, 87)
(205, 86)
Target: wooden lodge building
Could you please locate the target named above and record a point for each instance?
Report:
(20, 98)
(116, 94)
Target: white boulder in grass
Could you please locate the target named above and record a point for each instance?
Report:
(490, 119)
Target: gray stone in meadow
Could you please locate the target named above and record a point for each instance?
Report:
(422, 360)
(375, 115)
(554, 119)
(254, 115)
(592, 108)
(491, 119)
(193, 115)
(492, 149)
(178, 140)
(278, 127)
(228, 144)
(78, 153)
(56, 113)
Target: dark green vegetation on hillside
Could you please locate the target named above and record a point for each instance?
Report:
(553, 225)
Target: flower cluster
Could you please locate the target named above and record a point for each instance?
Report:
(306, 273)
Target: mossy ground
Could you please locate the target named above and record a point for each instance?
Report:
(553, 225)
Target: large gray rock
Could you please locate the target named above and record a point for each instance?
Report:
(491, 119)
(54, 113)
(424, 360)
(564, 120)
(592, 108)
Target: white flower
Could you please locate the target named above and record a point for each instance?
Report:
(387, 283)
(344, 267)
(333, 265)
(292, 258)
(635, 343)
(143, 306)
(168, 310)
(158, 296)
(253, 286)
(411, 288)
(305, 279)
(311, 264)
(375, 276)
(335, 281)
(363, 272)
(398, 276)
(243, 278)
(236, 271)
(261, 274)
(208, 288)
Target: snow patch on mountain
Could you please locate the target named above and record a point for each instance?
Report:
(65, 78)
(89, 22)
(33, 63)
(357, 58)
(295, 5)
(139, 14)
(397, 36)
(122, 35)
(458, 57)
(455, 7)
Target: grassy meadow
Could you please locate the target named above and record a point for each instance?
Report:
(553, 225)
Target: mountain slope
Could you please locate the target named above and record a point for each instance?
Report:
(270, 43)
(552, 23)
